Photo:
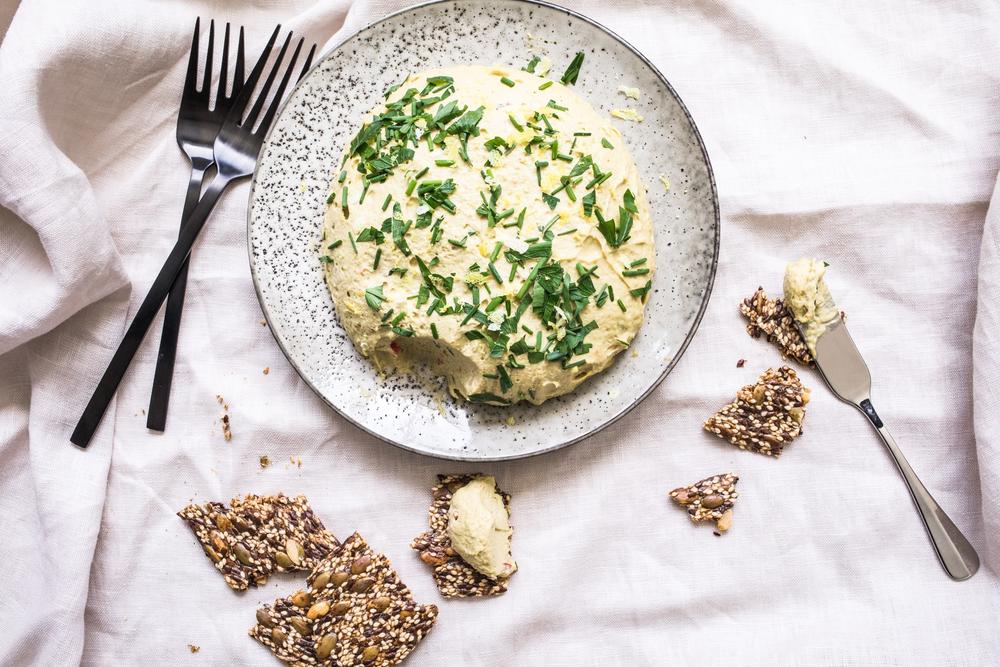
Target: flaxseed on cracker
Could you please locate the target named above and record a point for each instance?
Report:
(354, 611)
(711, 499)
(766, 415)
(772, 318)
(257, 535)
(453, 576)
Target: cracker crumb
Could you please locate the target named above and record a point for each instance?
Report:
(194, 648)
(263, 323)
(627, 113)
(227, 432)
(264, 461)
(741, 363)
(267, 369)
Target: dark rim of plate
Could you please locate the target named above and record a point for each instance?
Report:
(673, 361)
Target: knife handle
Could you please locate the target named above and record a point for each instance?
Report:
(958, 557)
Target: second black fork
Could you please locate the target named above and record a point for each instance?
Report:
(198, 124)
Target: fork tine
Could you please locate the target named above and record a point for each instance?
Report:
(224, 70)
(266, 88)
(238, 75)
(240, 103)
(191, 82)
(206, 87)
(280, 93)
(308, 63)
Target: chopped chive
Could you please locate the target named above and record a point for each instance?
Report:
(638, 262)
(378, 256)
(332, 197)
(552, 104)
(581, 134)
(326, 259)
(504, 214)
(399, 318)
(388, 314)
(336, 244)
(496, 274)
(422, 173)
(386, 201)
(641, 292)
(611, 292)
(444, 163)
(564, 157)
(513, 121)
(539, 165)
(343, 175)
(343, 203)
(573, 71)
(458, 244)
(507, 82)
(545, 85)
(350, 237)
(410, 187)
(606, 143)
(630, 273)
(434, 331)
(496, 252)
(622, 305)
(364, 192)
(567, 232)
(574, 364)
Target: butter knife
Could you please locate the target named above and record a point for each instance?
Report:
(847, 375)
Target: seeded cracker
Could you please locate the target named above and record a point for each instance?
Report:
(258, 535)
(354, 611)
(765, 416)
(711, 499)
(772, 318)
(453, 576)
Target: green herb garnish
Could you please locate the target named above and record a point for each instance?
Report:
(507, 82)
(374, 297)
(573, 71)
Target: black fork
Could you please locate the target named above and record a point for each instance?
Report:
(198, 124)
(235, 150)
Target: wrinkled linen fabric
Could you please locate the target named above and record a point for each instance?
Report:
(863, 133)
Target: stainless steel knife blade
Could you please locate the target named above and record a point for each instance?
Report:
(845, 371)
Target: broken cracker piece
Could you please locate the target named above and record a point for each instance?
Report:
(766, 415)
(711, 499)
(453, 576)
(772, 318)
(258, 535)
(354, 611)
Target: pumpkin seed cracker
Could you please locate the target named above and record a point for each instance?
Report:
(772, 318)
(452, 575)
(258, 535)
(711, 499)
(354, 611)
(766, 415)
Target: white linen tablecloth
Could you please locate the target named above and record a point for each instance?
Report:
(864, 133)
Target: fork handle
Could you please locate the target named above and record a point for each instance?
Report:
(957, 555)
(146, 313)
(159, 398)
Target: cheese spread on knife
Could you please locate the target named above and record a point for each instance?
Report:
(488, 223)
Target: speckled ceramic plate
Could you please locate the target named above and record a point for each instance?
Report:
(301, 154)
